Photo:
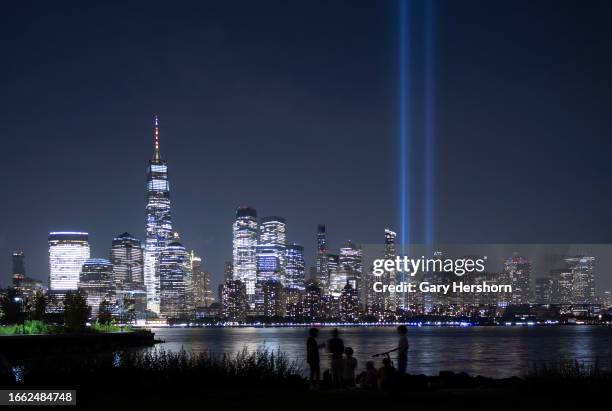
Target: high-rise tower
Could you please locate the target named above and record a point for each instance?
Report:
(67, 252)
(244, 249)
(127, 260)
(158, 222)
(321, 258)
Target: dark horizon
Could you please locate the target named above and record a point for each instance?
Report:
(293, 110)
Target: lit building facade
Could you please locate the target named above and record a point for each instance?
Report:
(68, 250)
(271, 249)
(335, 280)
(274, 299)
(175, 281)
(158, 223)
(128, 262)
(517, 272)
(97, 283)
(295, 267)
(202, 289)
(543, 290)
(349, 303)
(245, 250)
(321, 258)
(350, 269)
(234, 304)
(583, 279)
(312, 307)
(18, 272)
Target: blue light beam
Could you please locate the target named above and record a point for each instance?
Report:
(404, 117)
(430, 135)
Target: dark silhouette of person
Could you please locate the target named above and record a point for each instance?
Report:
(386, 375)
(368, 379)
(402, 350)
(335, 346)
(349, 367)
(312, 357)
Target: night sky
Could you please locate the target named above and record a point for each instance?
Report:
(292, 108)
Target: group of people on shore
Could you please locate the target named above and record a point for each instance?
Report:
(343, 365)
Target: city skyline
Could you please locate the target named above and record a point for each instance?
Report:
(237, 101)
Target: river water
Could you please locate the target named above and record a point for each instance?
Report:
(488, 351)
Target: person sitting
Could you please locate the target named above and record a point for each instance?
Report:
(386, 375)
(368, 379)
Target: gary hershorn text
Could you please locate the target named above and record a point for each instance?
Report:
(426, 287)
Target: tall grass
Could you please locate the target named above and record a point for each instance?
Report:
(161, 368)
(569, 370)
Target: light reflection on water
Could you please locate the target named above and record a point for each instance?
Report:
(489, 351)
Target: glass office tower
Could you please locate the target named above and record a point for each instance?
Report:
(158, 222)
(97, 282)
(175, 281)
(68, 250)
(244, 233)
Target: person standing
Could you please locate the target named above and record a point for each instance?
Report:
(312, 357)
(402, 350)
(350, 365)
(335, 346)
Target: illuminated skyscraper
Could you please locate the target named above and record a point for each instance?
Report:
(350, 269)
(158, 222)
(175, 281)
(233, 301)
(349, 303)
(321, 258)
(245, 250)
(295, 274)
(543, 290)
(202, 290)
(18, 267)
(272, 243)
(97, 282)
(67, 252)
(270, 254)
(335, 279)
(517, 272)
(228, 271)
(583, 279)
(127, 259)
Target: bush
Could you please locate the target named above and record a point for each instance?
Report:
(30, 327)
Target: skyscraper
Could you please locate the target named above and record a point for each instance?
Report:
(335, 282)
(351, 266)
(18, 267)
(68, 251)
(128, 261)
(295, 274)
(543, 290)
(245, 250)
(97, 282)
(517, 271)
(202, 290)
(175, 281)
(583, 279)
(270, 254)
(233, 301)
(321, 258)
(228, 271)
(271, 249)
(158, 222)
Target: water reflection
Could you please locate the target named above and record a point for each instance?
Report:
(488, 351)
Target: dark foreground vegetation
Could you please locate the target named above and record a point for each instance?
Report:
(268, 380)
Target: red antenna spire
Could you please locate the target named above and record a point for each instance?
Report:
(156, 138)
